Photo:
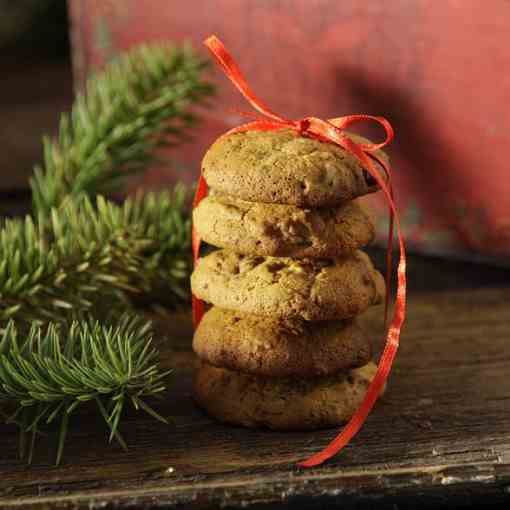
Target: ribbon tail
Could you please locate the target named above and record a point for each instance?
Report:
(389, 259)
(392, 338)
(233, 72)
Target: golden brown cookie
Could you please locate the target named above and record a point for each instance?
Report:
(285, 168)
(311, 289)
(281, 404)
(282, 230)
(269, 347)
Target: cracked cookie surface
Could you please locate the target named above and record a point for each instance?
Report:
(282, 230)
(270, 347)
(311, 289)
(281, 404)
(285, 168)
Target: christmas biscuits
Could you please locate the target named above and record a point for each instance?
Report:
(310, 289)
(272, 347)
(281, 346)
(284, 168)
(281, 404)
(282, 230)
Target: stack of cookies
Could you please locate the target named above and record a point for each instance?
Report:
(281, 346)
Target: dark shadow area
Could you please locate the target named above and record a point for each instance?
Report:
(418, 147)
(36, 83)
(34, 27)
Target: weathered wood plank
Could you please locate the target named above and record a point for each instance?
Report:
(440, 435)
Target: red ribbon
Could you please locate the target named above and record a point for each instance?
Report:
(328, 131)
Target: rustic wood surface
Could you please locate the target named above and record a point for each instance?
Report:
(439, 437)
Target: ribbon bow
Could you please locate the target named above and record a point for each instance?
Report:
(330, 131)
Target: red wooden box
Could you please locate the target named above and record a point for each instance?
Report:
(440, 71)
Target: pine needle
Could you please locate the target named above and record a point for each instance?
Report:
(41, 377)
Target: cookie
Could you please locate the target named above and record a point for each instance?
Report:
(282, 230)
(269, 347)
(311, 289)
(285, 168)
(281, 404)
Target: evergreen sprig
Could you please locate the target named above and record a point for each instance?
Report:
(139, 102)
(90, 250)
(46, 374)
(80, 254)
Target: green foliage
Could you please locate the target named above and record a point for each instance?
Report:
(83, 251)
(81, 254)
(139, 102)
(49, 372)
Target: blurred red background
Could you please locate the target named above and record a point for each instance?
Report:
(439, 71)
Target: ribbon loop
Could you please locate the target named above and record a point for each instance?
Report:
(330, 131)
(348, 120)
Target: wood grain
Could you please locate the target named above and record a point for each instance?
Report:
(439, 436)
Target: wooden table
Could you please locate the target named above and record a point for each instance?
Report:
(439, 437)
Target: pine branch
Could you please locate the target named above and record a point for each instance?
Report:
(47, 374)
(139, 102)
(80, 251)
(84, 252)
